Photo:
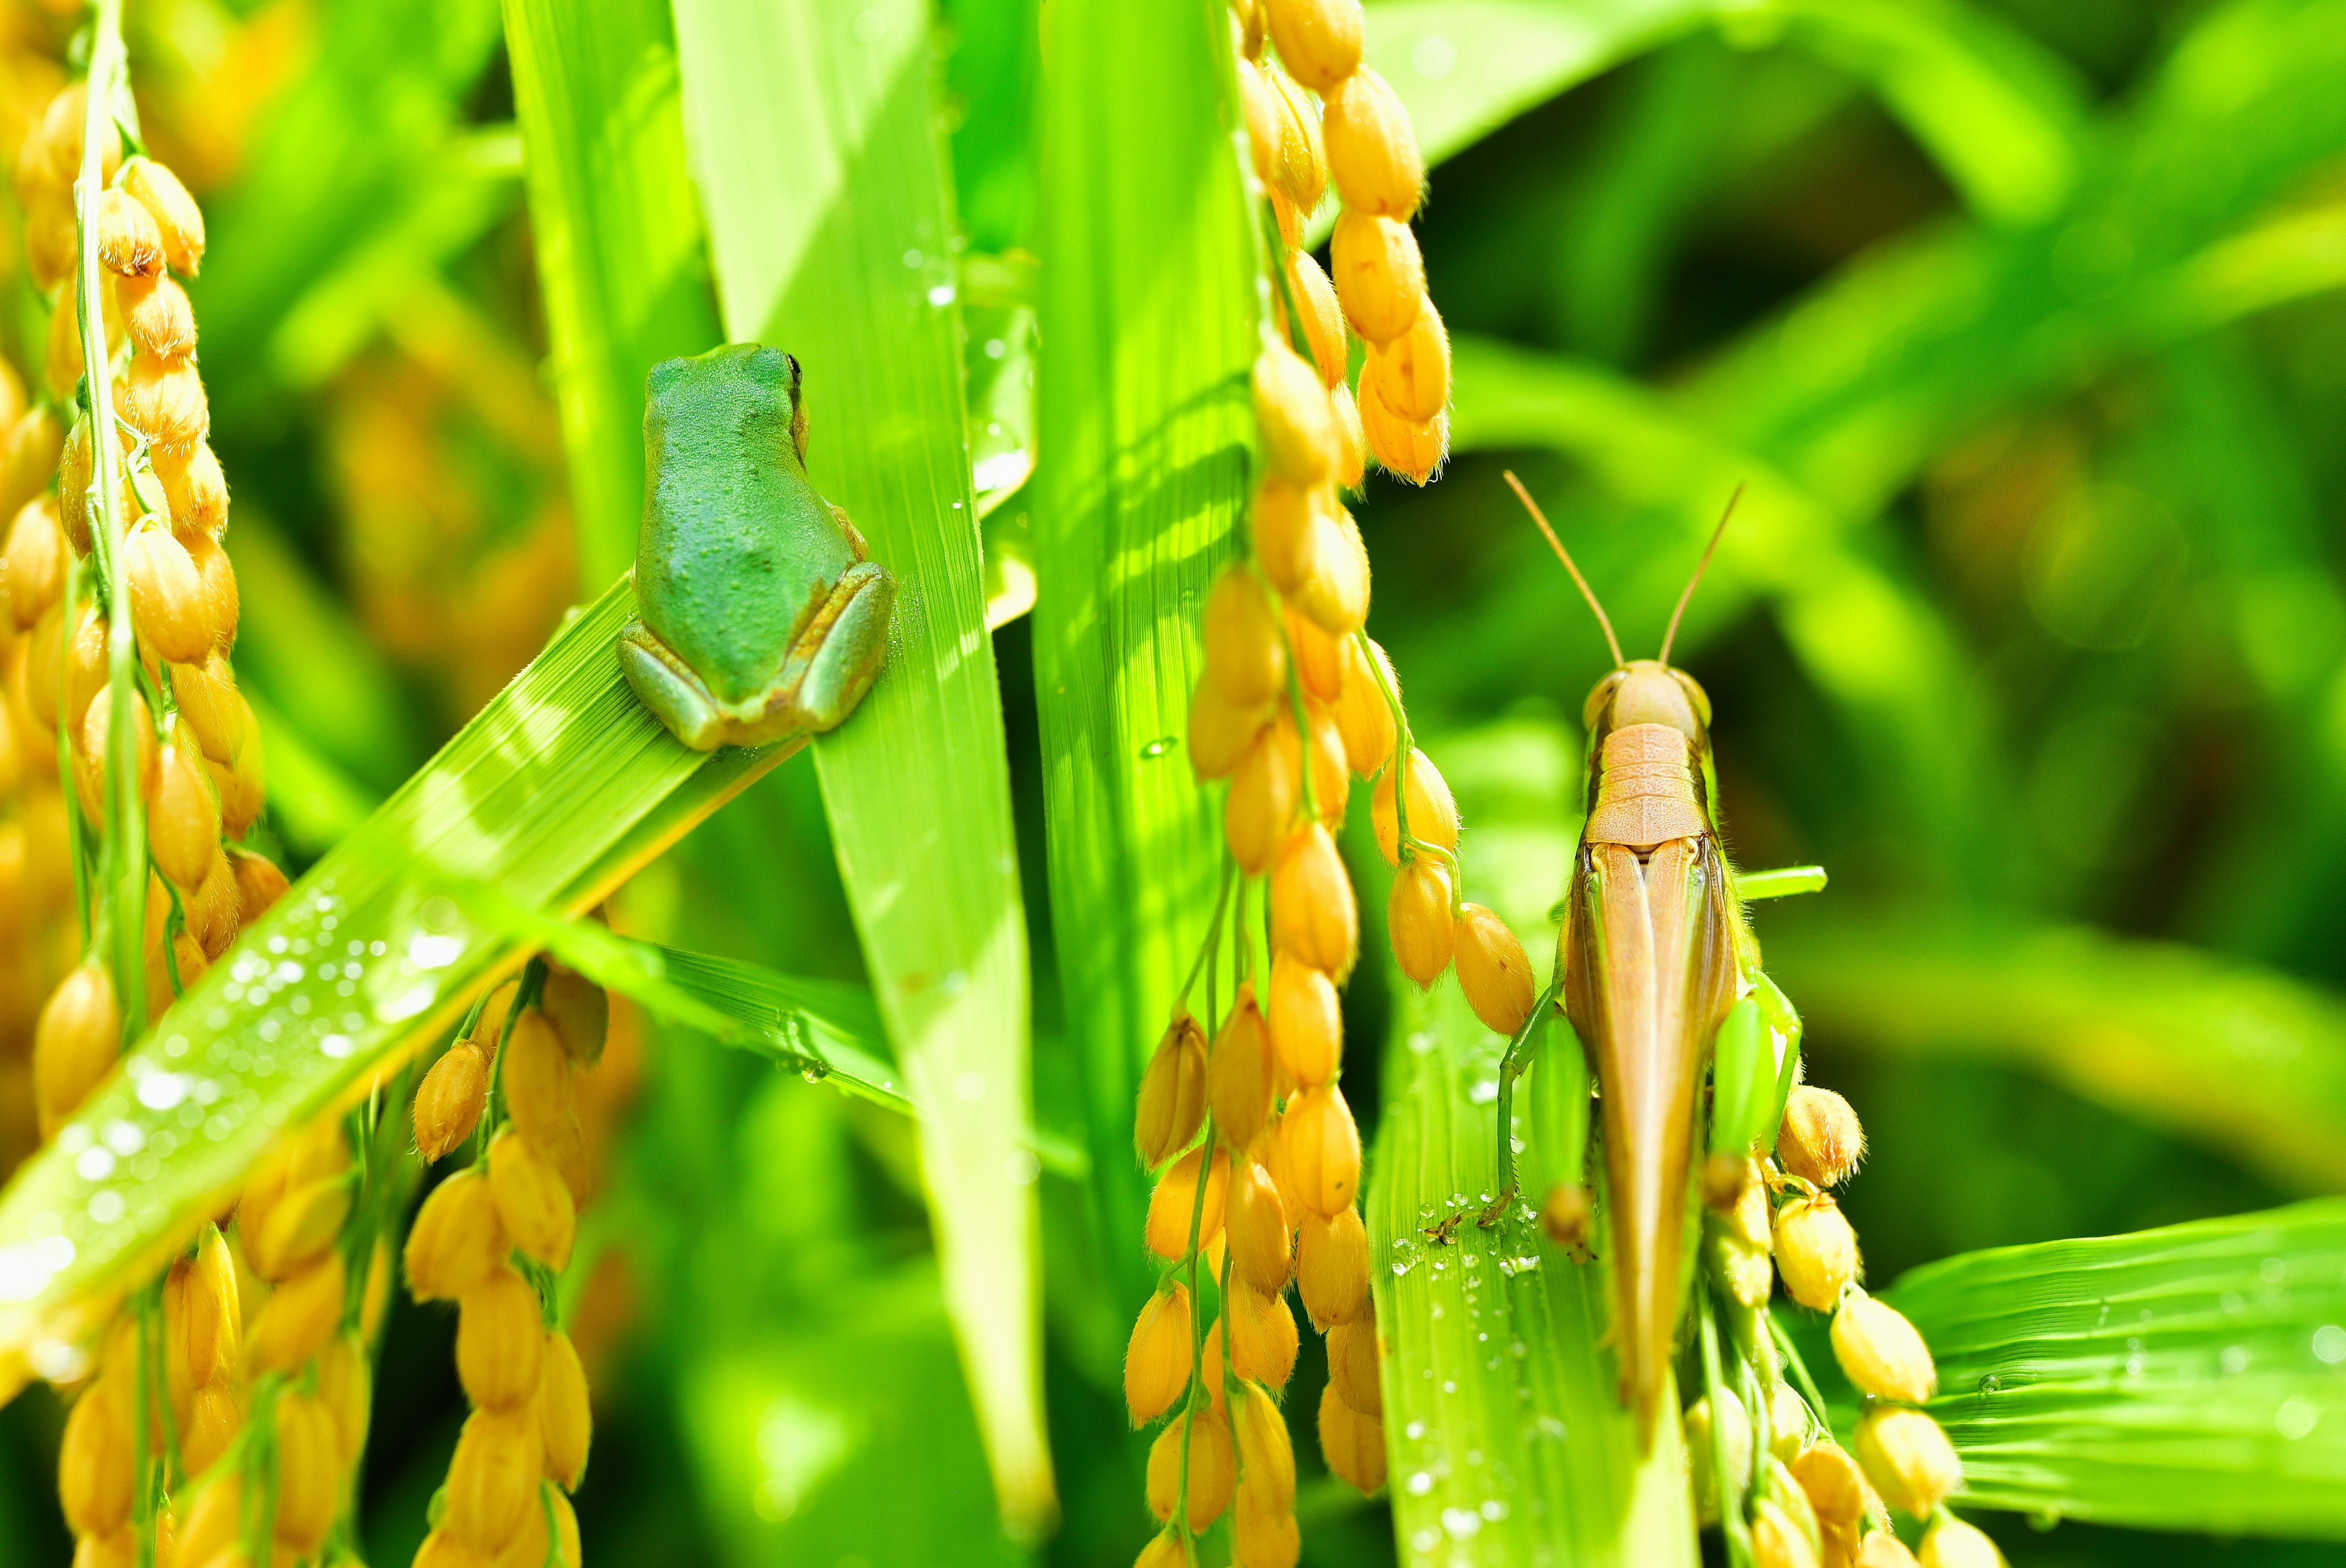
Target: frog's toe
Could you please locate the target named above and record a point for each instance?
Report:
(676, 700)
(853, 649)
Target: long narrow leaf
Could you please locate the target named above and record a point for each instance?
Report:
(1148, 312)
(2192, 1378)
(552, 795)
(821, 170)
(620, 258)
(1509, 1442)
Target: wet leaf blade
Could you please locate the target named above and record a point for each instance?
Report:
(1147, 331)
(1501, 1406)
(822, 170)
(554, 793)
(2181, 1378)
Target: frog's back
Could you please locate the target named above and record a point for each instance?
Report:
(738, 551)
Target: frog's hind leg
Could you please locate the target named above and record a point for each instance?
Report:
(849, 651)
(675, 697)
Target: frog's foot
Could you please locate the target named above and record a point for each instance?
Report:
(662, 683)
(845, 647)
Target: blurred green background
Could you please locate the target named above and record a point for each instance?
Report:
(2023, 320)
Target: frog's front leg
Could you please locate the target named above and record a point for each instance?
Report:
(666, 684)
(841, 654)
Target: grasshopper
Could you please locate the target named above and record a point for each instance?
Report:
(1654, 966)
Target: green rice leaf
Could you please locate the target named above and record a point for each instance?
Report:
(2183, 1378)
(821, 171)
(2244, 1059)
(553, 795)
(1508, 1440)
(1148, 315)
(621, 262)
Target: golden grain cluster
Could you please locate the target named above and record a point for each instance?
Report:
(1831, 1509)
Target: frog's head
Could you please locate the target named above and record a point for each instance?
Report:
(766, 380)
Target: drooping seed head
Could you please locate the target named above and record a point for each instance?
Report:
(1352, 437)
(492, 1479)
(1379, 274)
(1319, 40)
(1789, 1423)
(129, 241)
(449, 1102)
(75, 1043)
(1834, 1485)
(1263, 1338)
(1312, 914)
(1258, 1230)
(1298, 167)
(1173, 1205)
(1157, 1357)
(1293, 418)
(95, 1459)
(1363, 715)
(178, 218)
(300, 1226)
(1352, 1442)
(1880, 1549)
(158, 317)
(457, 1240)
(1285, 523)
(212, 1422)
(33, 563)
(1212, 1468)
(533, 1201)
(1263, 110)
(1331, 779)
(1953, 1543)
(579, 1010)
(1908, 1458)
(217, 576)
(1334, 587)
(1321, 1150)
(1816, 1252)
(1352, 1357)
(1164, 1551)
(1405, 448)
(259, 883)
(1418, 919)
(566, 1414)
(1493, 971)
(1323, 318)
(1171, 1105)
(1412, 372)
(1220, 732)
(298, 1318)
(308, 1472)
(214, 907)
(1777, 1540)
(1433, 813)
(1373, 151)
(1821, 1140)
(195, 489)
(183, 828)
(1265, 1534)
(1266, 1456)
(90, 755)
(346, 1386)
(164, 401)
(1331, 1267)
(1245, 656)
(1881, 1353)
(500, 1340)
(1239, 1075)
(536, 1078)
(1260, 812)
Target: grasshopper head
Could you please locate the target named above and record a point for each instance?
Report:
(1647, 691)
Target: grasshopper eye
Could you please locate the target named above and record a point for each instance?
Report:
(1694, 695)
(1598, 697)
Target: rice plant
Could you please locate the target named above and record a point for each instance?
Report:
(1193, 477)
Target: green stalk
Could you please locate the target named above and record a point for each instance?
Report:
(123, 866)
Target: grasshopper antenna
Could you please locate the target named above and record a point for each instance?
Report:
(1700, 566)
(1565, 555)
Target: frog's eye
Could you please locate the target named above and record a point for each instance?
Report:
(1598, 697)
(792, 361)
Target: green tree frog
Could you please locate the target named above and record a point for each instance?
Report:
(760, 615)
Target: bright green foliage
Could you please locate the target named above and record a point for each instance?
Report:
(822, 177)
(2178, 1378)
(619, 240)
(368, 957)
(1148, 329)
(1501, 1406)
